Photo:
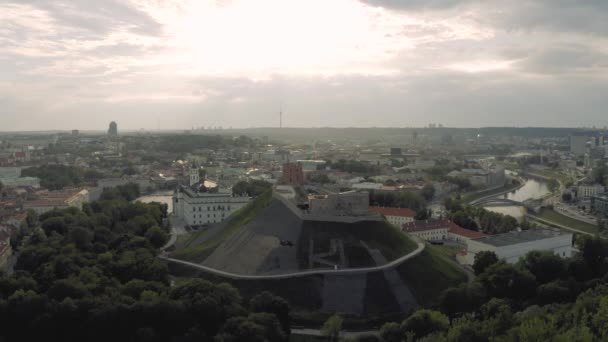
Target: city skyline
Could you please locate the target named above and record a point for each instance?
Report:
(179, 64)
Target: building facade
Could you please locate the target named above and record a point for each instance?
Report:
(436, 230)
(599, 203)
(589, 190)
(578, 144)
(203, 206)
(293, 173)
(58, 200)
(513, 245)
(396, 216)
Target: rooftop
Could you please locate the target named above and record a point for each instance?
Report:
(458, 230)
(419, 226)
(515, 237)
(403, 212)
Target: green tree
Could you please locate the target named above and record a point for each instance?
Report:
(483, 260)
(391, 332)
(424, 322)
(465, 298)
(503, 280)
(267, 302)
(544, 265)
(157, 236)
(332, 327)
(428, 191)
(462, 219)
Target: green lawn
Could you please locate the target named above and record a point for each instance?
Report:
(447, 251)
(555, 217)
(198, 252)
(430, 273)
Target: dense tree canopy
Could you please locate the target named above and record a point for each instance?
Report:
(252, 188)
(541, 298)
(56, 177)
(397, 199)
(483, 260)
(93, 275)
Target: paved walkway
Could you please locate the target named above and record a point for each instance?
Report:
(404, 296)
(389, 265)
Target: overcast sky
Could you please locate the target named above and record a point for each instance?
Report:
(79, 64)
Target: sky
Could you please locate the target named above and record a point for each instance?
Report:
(177, 64)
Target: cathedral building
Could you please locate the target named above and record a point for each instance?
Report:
(203, 202)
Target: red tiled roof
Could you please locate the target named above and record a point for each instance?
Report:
(419, 226)
(471, 234)
(403, 212)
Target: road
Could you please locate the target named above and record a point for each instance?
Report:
(571, 211)
(389, 265)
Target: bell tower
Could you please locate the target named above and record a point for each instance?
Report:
(194, 174)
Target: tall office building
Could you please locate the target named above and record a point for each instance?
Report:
(578, 144)
(113, 130)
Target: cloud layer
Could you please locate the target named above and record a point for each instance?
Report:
(181, 63)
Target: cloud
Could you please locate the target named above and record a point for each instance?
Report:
(570, 58)
(587, 16)
(417, 4)
(80, 64)
(98, 18)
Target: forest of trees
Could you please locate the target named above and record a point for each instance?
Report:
(57, 177)
(541, 298)
(398, 199)
(479, 219)
(253, 188)
(93, 275)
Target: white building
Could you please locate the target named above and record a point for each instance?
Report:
(203, 203)
(589, 190)
(434, 230)
(514, 245)
(429, 230)
(396, 216)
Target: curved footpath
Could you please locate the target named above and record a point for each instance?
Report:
(391, 264)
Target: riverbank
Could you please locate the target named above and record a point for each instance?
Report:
(553, 217)
(474, 197)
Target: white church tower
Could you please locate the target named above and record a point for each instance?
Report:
(194, 174)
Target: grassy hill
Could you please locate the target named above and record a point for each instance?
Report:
(196, 250)
(431, 272)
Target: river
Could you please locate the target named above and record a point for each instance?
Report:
(161, 197)
(532, 189)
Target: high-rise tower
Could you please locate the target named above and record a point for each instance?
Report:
(113, 130)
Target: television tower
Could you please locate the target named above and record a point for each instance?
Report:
(281, 115)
